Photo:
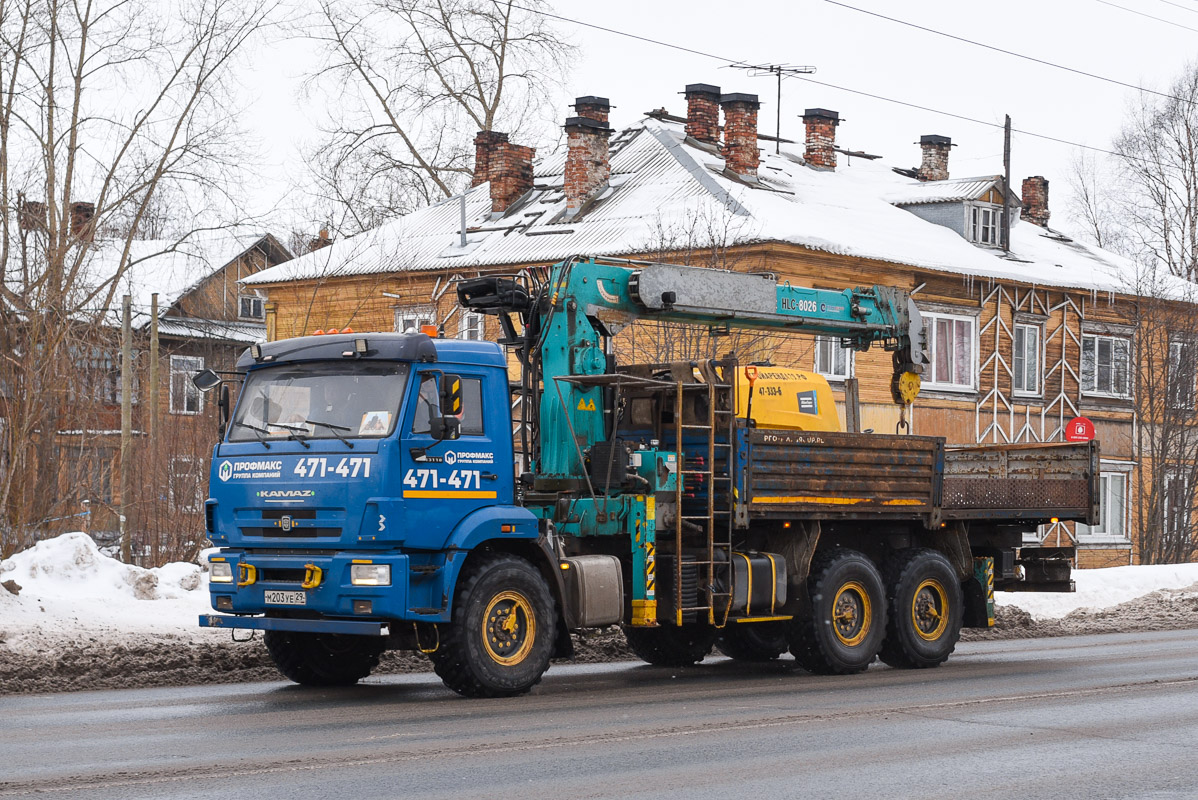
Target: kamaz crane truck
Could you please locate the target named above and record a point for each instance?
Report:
(399, 490)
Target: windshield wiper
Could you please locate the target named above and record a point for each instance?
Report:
(258, 432)
(294, 434)
(333, 430)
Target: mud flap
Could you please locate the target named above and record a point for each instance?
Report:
(979, 594)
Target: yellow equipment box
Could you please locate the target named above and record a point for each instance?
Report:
(789, 399)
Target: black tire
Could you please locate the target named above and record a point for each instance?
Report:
(502, 606)
(926, 609)
(757, 641)
(669, 645)
(324, 659)
(842, 630)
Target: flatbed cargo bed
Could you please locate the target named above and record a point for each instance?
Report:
(825, 475)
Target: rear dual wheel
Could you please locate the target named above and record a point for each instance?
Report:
(843, 627)
(926, 608)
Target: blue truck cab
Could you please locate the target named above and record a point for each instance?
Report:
(336, 508)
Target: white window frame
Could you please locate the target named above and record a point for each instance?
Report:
(1038, 332)
(931, 377)
(827, 348)
(1114, 339)
(1179, 395)
(189, 472)
(257, 299)
(417, 314)
(182, 368)
(978, 229)
(1182, 477)
(471, 326)
(1102, 533)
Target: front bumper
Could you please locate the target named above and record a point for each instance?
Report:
(335, 596)
(349, 627)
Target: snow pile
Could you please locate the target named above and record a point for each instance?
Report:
(70, 589)
(1103, 588)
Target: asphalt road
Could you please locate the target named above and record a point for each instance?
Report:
(1111, 716)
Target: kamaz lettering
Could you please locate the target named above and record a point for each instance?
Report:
(286, 493)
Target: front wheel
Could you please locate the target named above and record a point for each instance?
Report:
(926, 609)
(502, 631)
(841, 631)
(323, 659)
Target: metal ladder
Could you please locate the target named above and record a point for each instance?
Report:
(716, 525)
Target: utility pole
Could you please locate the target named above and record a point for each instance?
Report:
(153, 394)
(126, 421)
(1006, 189)
(779, 71)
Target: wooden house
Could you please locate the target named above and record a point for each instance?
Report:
(1027, 331)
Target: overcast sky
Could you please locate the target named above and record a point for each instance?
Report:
(853, 50)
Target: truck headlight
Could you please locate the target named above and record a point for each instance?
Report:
(370, 574)
(220, 572)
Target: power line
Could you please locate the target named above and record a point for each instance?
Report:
(963, 117)
(737, 62)
(1191, 9)
(1033, 59)
(1150, 16)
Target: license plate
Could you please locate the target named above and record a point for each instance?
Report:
(287, 598)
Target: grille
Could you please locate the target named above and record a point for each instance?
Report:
(271, 532)
(1015, 493)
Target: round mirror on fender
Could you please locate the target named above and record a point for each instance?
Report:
(205, 380)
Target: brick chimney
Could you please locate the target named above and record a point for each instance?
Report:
(83, 225)
(587, 165)
(592, 107)
(740, 134)
(31, 217)
(321, 241)
(821, 137)
(703, 112)
(485, 143)
(934, 165)
(511, 174)
(1035, 200)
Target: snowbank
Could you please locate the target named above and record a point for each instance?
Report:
(1102, 588)
(70, 589)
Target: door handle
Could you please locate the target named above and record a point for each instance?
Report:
(489, 476)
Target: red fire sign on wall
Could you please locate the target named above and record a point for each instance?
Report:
(1079, 429)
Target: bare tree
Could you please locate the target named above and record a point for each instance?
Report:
(408, 83)
(705, 237)
(1158, 165)
(105, 106)
(1164, 367)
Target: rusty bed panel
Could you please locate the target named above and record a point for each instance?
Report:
(845, 475)
(1022, 481)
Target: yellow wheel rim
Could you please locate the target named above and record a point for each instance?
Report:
(929, 610)
(852, 614)
(509, 628)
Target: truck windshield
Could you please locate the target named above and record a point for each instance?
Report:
(320, 401)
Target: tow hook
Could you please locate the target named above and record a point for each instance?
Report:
(247, 574)
(312, 576)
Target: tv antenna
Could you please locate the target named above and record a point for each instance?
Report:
(780, 71)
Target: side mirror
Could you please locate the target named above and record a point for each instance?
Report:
(443, 428)
(222, 403)
(205, 380)
(451, 395)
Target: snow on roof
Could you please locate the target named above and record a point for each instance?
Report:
(218, 329)
(168, 267)
(666, 189)
(953, 190)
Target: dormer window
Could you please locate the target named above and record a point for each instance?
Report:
(981, 224)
